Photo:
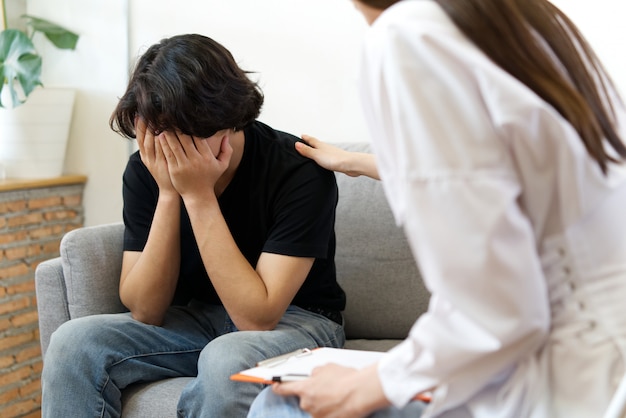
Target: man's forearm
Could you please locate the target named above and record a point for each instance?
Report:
(149, 278)
(234, 279)
(251, 303)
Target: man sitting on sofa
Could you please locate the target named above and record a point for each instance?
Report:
(228, 246)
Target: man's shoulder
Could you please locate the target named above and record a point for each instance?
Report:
(273, 145)
(275, 150)
(262, 132)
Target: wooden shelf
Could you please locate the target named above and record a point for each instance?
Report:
(19, 184)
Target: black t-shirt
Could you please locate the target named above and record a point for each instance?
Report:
(277, 202)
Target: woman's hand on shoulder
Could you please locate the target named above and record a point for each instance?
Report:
(336, 159)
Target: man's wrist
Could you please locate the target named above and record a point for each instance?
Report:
(204, 201)
(166, 196)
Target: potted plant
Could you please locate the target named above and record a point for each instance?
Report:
(20, 63)
(33, 132)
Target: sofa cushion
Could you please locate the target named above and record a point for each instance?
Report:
(374, 263)
(155, 400)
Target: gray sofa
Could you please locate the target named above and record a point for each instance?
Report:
(374, 266)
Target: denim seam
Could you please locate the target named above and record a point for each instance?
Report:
(157, 353)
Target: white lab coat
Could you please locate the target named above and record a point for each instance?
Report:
(519, 236)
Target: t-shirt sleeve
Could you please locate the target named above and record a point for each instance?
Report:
(140, 194)
(304, 214)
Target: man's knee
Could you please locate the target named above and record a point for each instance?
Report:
(82, 337)
(230, 353)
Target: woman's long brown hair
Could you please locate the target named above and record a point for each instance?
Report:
(524, 37)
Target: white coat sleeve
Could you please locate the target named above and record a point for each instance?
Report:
(453, 188)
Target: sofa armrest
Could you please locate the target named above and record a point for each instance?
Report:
(83, 281)
(51, 299)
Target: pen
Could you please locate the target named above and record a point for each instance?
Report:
(290, 378)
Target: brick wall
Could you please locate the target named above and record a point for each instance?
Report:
(34, 219)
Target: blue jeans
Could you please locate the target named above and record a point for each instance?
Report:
(90, 360)
(270, 405)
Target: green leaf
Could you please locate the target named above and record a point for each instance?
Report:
(20, 65)
(61, 38)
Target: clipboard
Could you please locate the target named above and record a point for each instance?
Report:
(300, 363)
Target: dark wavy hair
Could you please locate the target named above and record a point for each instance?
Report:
(514, 34)
(188, 83)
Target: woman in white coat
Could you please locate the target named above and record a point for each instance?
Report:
(499, 140)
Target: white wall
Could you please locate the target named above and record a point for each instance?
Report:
(14, 9)
(602, 23)
(98, 70)
(304, 52)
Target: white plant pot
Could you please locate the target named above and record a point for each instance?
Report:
(33, 136)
